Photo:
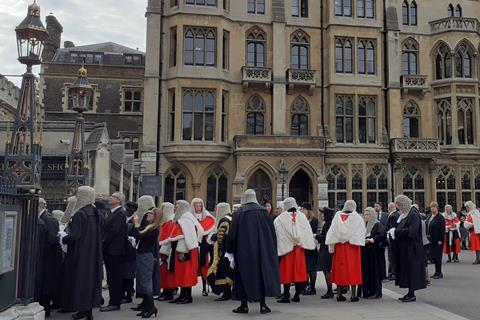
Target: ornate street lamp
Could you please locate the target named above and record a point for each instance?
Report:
(79, 97)
(22, 166)
(283, 173)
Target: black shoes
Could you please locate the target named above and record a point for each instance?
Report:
(222, 298)
(148, 314)
(285, 299)
(109, 308)
(328, 295)
(437, 276)
(241, 309)
(185, 300)
(408, 298)
(126, 300)
(354, 299)
(205, 293)
(296, 298)
(310, 292)
(341, 299)
(137, 308)
(83, 315)
(264, 309)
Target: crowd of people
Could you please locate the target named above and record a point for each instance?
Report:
(246, 253)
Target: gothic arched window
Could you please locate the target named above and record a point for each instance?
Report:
(410, 57)
(217, 187)
(463, 62)
(411, 120)
(256, 40)
(255, 116)
(443, 62)
(300, 111)
(175, 186)
(299, 50)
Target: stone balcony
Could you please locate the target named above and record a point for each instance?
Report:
(416, 147)
(256, 75)
(263, 145)
(301, 77)
(455, 24)
(178, 152)
(414, 83)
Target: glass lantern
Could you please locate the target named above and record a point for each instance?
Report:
(81, 92)
(31, 35)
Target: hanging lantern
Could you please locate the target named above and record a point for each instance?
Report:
(80, 93)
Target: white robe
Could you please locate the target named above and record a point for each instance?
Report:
(351, 230)
(476, 221)
(291, 234)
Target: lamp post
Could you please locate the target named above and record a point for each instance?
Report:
(22, 166)
(79, 97)
(283, 173)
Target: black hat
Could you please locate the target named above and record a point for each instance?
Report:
(306, 205)
(327, 212)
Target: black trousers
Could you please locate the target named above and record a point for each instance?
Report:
(128, 290)
(113, 266)
(436, 254)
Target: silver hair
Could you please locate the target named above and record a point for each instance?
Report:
(405, 202)
(43, 202)
(392, 206)
(470, 205)
(120, 196)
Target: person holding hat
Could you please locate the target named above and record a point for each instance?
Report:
(208, 224)
(345, 239)
(181, 247)
(311, 256)
(294, 236)
(220, 273)
(84, 253)
(252, 249)
(147, 255)
(324, 256)
(166, 279)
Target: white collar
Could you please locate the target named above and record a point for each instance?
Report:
(114, 209)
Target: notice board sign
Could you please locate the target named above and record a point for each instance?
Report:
(8, 235)
(152, 185)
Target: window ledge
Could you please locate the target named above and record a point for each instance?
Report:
(196, 151)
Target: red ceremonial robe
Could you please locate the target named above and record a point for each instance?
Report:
(208, 224)
(474, 238)
(293, 267)
(185, 272)
(447, 248)
(347, 263)
(167, 280)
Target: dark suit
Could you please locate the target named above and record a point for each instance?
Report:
(115, 231)
(382, 217)
(391, 222)
(436, 236)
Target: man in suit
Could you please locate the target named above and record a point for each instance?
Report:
(392, 219)
(115, 233)
(382, 216)
(50, 258)
(436, 236)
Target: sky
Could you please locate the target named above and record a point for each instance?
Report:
(84, 22)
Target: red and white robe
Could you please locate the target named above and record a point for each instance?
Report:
(166, 278)
(345, 238)
(473, 224)
(294, 235)
(452, 242)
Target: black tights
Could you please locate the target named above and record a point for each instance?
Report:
(298, 289)
(327, 280)
(313, 279)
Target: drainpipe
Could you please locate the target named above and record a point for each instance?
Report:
(386, 89)
(322, 73)
(160, 94)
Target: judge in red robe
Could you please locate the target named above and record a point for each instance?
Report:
(207, 221)
(294, 236)
(345, 238)
(473, 224)
(182, 249)
(167, 283)
(452, 234)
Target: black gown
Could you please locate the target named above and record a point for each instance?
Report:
(84, 260)
(40, 240)
(373, 262)
(253, 242)
(324, 256)
(409, 253)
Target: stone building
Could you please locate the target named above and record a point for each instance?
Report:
(325, 100)
(9, 95)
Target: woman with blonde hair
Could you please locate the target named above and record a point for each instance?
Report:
(147, 254)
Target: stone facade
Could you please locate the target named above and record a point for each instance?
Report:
(386, 97)
(9, 95)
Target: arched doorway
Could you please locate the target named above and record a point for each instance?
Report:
(300, 187)
(260, 182)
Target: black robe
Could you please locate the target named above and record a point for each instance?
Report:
(373, 262)
(253, 242)
(409, 253)
(220, 274)
(39, 261)
(52, 257)
(84, 256)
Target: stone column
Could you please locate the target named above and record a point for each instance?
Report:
(279, 107)
(102, 171)
(454, 110)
